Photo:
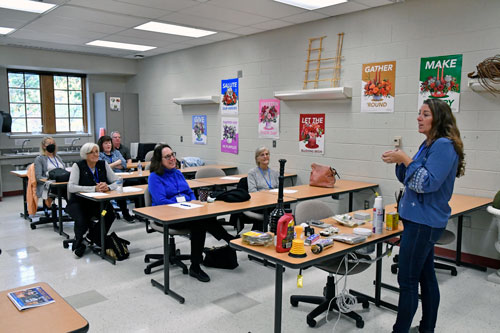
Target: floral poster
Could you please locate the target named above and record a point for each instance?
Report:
(269, 118)
(229, 136)
(312, 133)
(440, 79)
(378, 86)
(229, 97)
(199, 126)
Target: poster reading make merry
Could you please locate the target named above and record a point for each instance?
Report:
(440, 79)
(199, 130)
(269, 118)
(229, 97)
(378, 86)
(312, 133)
(229, 135)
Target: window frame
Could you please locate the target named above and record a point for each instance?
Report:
(47, 100)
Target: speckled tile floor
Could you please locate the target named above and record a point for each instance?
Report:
(120, 298)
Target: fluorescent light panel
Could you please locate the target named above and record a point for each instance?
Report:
(5, 31)
(124, 46)
(172, 29)
(26, 5)
(311, 4)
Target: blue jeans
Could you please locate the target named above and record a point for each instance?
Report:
(416, 265)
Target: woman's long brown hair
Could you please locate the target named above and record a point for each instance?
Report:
(444, 125)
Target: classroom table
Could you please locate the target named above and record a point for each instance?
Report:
(23, 175)
(460, 205)
(282, 259)
(168, 215)
(102, 200)
(54, 317)
(133, 165)
(234, 179)
(306, 192)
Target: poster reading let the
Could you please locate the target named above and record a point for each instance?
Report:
(312, 133)
(229, 97)
(440, 79)
(199, 132)
(269, 118)
(229, 136)
(378, 86)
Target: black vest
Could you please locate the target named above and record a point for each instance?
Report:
(86, 176)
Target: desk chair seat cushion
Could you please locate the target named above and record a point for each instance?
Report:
(171, 231)
(337, 265)
(254, 215)
(209, 172)
(446, 238)
(312, 210)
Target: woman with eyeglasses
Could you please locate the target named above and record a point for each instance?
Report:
(89, 175)
(167, 185)
(262, 177)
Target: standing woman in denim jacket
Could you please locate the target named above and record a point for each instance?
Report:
(429, 178)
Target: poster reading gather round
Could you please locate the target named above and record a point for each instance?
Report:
(378, 85)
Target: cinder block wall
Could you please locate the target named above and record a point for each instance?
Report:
(275, 60)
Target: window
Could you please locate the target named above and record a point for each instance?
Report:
(47, 102)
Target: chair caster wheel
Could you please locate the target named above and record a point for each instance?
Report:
(147, 271)
(185, 271)
(454, 273)
(312, 322)
(32, 226)
(366, 305)
(394, 269)
(294, 303)
(360, 324)
(65, 245)
(146, 260)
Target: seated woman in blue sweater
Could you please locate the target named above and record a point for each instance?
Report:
(167, 185)
(429, 177)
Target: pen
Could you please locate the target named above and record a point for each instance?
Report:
(185, 205)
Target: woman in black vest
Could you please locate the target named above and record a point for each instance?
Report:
(89, 175)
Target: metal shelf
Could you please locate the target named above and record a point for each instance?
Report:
(315, 94)
(197, 100)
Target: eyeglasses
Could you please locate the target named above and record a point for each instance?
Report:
(169, 156)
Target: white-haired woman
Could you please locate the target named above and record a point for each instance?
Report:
(262, 177)
(89, 175)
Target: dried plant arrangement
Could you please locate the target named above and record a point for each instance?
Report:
(488, 73)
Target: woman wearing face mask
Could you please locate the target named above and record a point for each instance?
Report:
(46, 161)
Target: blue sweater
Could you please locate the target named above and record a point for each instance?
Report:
(429, 182)
(166, 188)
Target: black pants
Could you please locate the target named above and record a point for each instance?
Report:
(83, 211)
(198, 230)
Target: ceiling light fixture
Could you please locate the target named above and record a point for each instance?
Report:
(311, 4)
(124, 46)
(26, 5)
(5, 31)
(173, 29)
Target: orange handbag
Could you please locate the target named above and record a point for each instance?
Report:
(322, 175)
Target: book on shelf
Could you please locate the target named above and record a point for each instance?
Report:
(30, 298)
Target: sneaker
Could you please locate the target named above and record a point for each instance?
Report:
(79, 248)
(199, 274)
(414, 330)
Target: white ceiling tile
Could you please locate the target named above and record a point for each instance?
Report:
(247, 30)
(171, 5)
(343, 8)
(199, 22)
(112, 6)
(374, 3)
(221, 36)
(225, 14)
(68, 23)
(272, 24)
(97, 16)
(305, 17)
(16, 15)
(267, 8)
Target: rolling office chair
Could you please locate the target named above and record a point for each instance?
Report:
(175, 256)
(239, 220)
(446, 238)
(315, 209)
(209, 172)
(148, 156)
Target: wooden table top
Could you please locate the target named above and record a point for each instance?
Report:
(133, 174)
(55, 317)
(197, 183)
(218, 166)
(20, 173)
(232, 179)
(170, 215)
(133, 165)
(113, 195)
(310, 192)
(269, 252)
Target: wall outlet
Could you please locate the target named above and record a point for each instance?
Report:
(182, 139)
(467, 221)
(274, 143)
(367, 204)
(240, 74)
(397, 142)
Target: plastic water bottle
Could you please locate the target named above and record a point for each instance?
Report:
(139, 168)
(378, 215)
(119, 182)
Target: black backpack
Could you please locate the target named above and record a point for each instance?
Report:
(60, 175)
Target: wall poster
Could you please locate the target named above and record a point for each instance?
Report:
(269, 118)
(114, 103)
(199, 133)
(440, 78)
(229, 135)
(229, 97)
(378, 86)
(312, 133)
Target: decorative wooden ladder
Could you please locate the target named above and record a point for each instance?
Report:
(335, 80)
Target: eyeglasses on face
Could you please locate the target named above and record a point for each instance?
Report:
(169, 156)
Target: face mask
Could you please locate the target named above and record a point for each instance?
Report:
(51, 148)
